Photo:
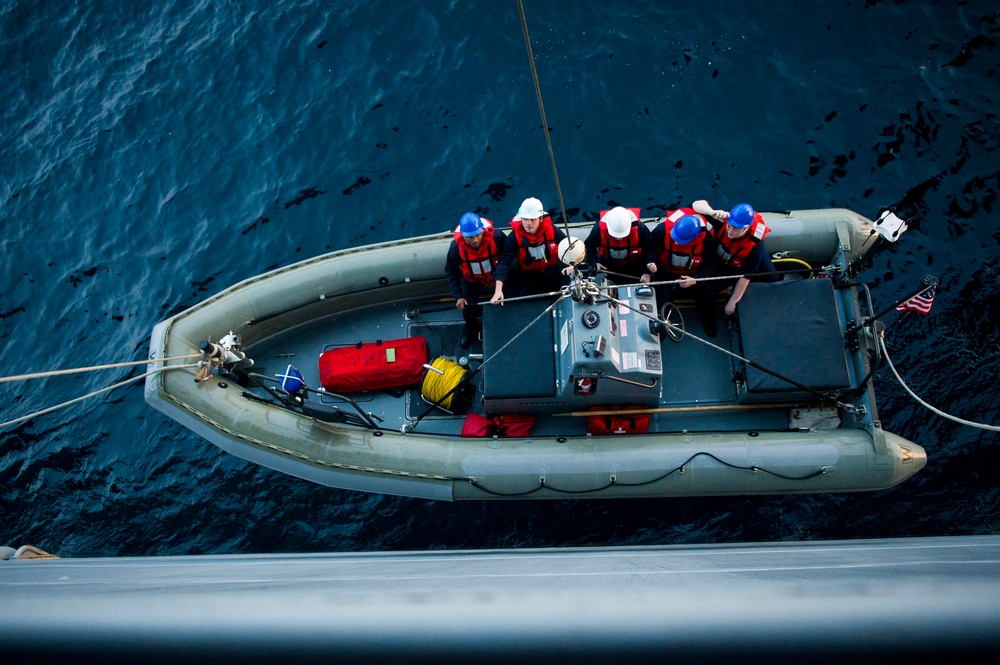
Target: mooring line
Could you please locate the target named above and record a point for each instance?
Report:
(58, 372)
(95, 393)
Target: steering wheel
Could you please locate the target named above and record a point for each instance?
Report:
(674, 321)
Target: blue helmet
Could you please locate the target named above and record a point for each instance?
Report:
(741, 216)
(470, 224)
(686, 229)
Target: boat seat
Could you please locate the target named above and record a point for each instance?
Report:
(527, 368)
(792, 328)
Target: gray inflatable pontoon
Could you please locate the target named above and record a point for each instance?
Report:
(779, 402)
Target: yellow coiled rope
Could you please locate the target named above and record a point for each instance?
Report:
(435, 386)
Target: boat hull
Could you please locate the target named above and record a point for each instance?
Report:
(858, 456)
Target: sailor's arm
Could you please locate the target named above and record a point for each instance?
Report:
(738, 291)
(702, 207)
(497, 298)
(453, 272)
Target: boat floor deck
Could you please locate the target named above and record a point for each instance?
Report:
(694, 374)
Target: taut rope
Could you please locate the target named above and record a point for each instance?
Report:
(541, 110)
(95, 393)
(885, 352)
(39, 375)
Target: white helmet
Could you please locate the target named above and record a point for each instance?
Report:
(571, 251)
(619, 221)
(530, 208)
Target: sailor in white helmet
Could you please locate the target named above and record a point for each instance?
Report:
(621, 244)
(530, 262)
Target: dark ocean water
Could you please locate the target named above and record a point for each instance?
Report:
(154, 153)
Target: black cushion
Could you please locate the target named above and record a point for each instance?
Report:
(793, 328)
(527, 368)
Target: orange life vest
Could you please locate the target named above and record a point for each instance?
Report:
(477, 265)
(539, 250)
(733, 251)
(682, 259)
(619, 252)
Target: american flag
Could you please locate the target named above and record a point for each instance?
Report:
(920, 303)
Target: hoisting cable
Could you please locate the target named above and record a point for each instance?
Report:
(59, 372)
(96, 393)
(541, 109)
(961, 421)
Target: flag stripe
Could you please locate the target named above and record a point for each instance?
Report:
(920, 303)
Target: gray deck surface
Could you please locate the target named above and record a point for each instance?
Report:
(694, 374)
(903, 600)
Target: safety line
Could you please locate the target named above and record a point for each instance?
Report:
(885, 351)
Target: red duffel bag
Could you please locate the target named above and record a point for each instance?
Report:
(514, 424)
(374, 366)
(637, 423)
(511, 425)
(476, 425)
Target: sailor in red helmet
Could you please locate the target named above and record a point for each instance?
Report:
(471, 268)
(686, 252)
(530, 262)
(619, 243)
(739, 247)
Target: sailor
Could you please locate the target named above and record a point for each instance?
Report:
(620, 243)
(739, 236)
(530, 261)
(471, 268)
(686, 251)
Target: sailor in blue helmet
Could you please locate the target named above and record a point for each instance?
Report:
(739, 236)
(686, 253)
(471, 268)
